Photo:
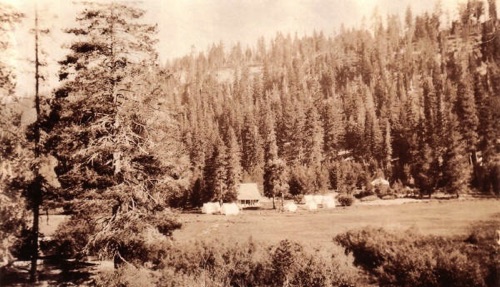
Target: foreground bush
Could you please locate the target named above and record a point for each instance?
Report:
(129, 276)
(129, 237)
(249, 264)
(409, 259)
(345, 199)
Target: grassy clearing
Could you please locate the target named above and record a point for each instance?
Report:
(49, 225)
(451, 217)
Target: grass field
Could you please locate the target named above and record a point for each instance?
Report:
(451, 217)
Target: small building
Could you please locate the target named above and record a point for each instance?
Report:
(248, 195)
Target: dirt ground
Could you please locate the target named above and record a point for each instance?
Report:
(447, 217)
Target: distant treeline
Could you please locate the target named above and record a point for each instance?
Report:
(409, 100)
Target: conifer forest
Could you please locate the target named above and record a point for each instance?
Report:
(126, 147)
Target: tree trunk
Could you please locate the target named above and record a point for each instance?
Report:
(36, 199)
(282, 202)
(36, 192)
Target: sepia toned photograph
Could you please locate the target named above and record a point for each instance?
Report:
(248, 143)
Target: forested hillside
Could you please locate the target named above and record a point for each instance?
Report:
(415, 100)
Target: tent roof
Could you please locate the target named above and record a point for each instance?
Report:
(248, 191)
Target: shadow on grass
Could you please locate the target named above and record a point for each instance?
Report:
(51, 272)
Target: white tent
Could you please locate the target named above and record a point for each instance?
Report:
(311, 205)
(318, 199)
(328, 201)
(308, 198)
(210, 208)
(290, 207)
(230, 209)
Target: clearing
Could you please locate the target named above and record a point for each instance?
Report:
(447, 217)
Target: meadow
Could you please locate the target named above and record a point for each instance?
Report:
(435, 217)
(216, 250)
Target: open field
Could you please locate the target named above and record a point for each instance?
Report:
(451, 217)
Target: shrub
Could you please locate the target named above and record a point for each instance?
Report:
(409, 259)
(364, 193)
(345, 199)
(251, 264)
(285, 261)
(129, 276)
(399, 188)
(135, 237)
(70, 238)
(479, 246)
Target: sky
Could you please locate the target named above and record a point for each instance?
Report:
(193, 25)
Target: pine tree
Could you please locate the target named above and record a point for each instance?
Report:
(252, 151)
(40, 188)
(387, 148)
(313, 140)
(215, 174)
(286, 131)
(113, 165)
(429, 96)
(466, 109)
(275, 181)
(373, 137)
(456, 168)
(333, 128)
(234, 170)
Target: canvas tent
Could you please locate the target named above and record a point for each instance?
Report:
(311, 205)
(248, 195)
(318, 199)
(210, 208)
(328, 201)
(230, 209)
(312, 202)
(308, 198)
(290, 207)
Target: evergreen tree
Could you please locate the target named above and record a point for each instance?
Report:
(275, 181)
(387, 148)
(429, 97)
(373, 138)
(456, 168)
(252, 152)
(466, 109)
(216, 174)
(313, 140)
(333, 128)
(112, 164)
(424, 162)
(234, 170)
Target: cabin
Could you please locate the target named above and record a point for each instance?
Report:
(248, 195)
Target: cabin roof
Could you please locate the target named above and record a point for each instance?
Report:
(248, 191)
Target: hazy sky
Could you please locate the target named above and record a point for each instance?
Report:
(186, 24)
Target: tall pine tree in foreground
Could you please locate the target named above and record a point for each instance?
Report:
(112, 166)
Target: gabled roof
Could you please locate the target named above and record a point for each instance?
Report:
(248, 191)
